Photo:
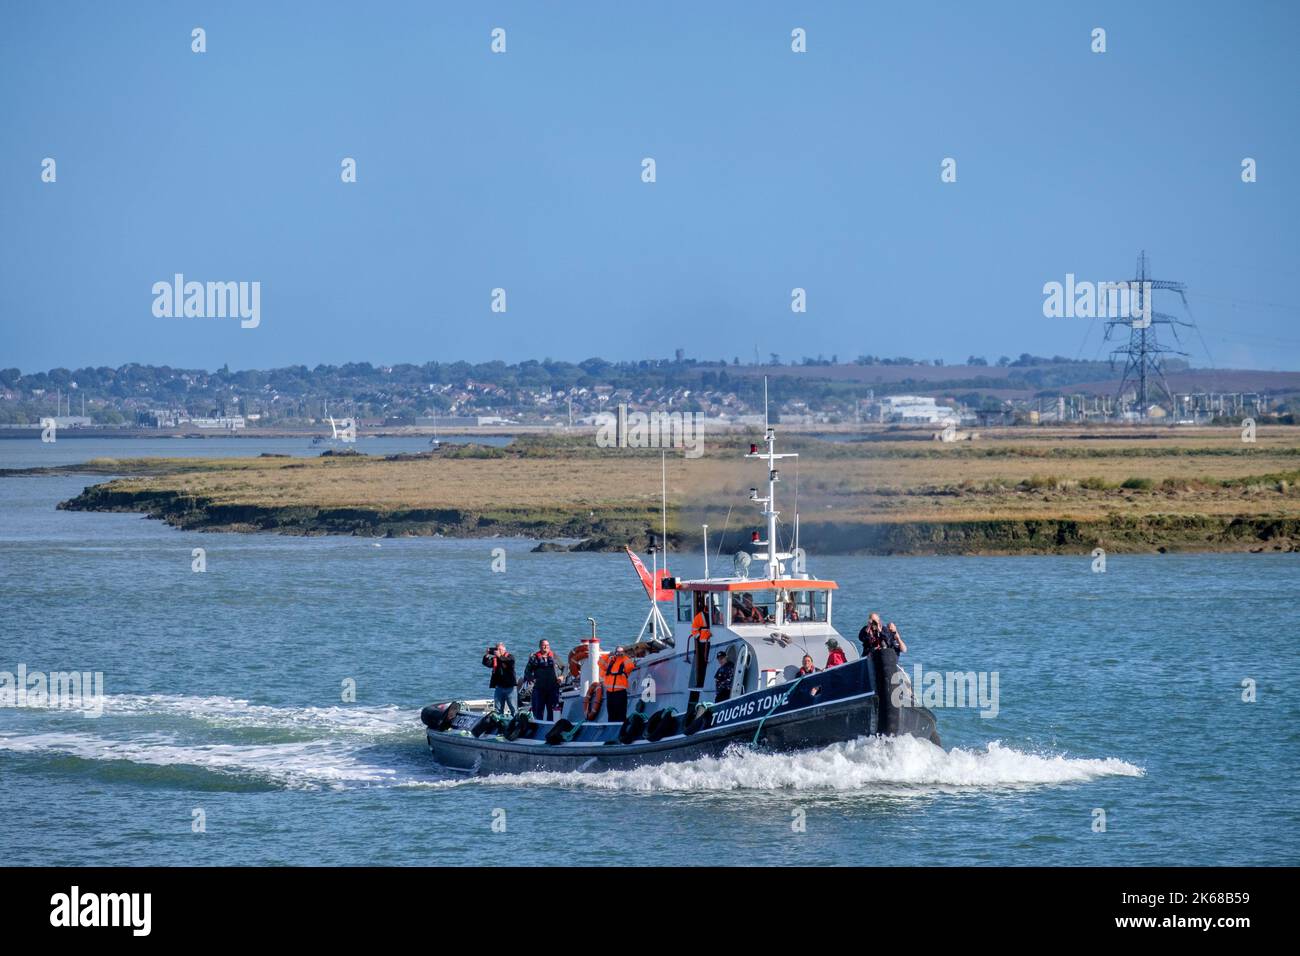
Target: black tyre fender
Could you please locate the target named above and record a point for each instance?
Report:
(518, 727)
(663, 723)
(698, 722)
(489, 723)
(431, 715)
(449, 714)
(632, 729)
(556, 734)
(885, 663)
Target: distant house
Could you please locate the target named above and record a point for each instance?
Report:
(226, 422)
(913, 410)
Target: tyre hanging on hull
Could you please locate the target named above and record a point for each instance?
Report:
(889, 677)
(440, 716)
(696, 720)
(490, 723)
(663, 723)
(632, 728)
(561, 732)
(521, 725)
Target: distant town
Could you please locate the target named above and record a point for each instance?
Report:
(812, 392)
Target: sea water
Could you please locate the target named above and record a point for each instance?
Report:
(265, 710)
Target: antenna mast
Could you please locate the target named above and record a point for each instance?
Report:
(772, 556)
(663, 475)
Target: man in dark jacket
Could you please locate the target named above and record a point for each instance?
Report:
(544, 673)
(503, 680)
(723, 677)
(873, 636)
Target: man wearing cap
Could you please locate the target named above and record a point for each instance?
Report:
(723, 678)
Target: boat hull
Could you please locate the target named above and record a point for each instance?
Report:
(826, 708)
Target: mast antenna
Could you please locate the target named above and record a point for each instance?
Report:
(773, 556)
(663, 475)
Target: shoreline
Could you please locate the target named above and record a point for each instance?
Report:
(1154, 532)
(1052, 495)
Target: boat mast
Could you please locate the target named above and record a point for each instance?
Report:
(706, 551)
(773, 557)
(663, 507)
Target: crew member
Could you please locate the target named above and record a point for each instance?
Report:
(807, 667)
(894, 639)
(701, 632)
(503, 679)
(870, 635)
(836, 655)
(722, 678)
(544, 673)
(873, 636)
(617, 669)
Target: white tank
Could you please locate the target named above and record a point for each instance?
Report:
(591, 665)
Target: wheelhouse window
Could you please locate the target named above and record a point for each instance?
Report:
(805, 607)
(691, 602)
(753, 607)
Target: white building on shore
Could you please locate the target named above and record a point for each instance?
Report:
(914, 410)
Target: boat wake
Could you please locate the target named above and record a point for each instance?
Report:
(222, 742)
(226, 743)
(898, 765)
(231, 712)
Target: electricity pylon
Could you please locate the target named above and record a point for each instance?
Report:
(1144, 365)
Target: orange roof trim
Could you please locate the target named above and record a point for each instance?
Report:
(790, 584)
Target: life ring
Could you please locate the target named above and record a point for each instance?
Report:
(593, 700)
(576, 657)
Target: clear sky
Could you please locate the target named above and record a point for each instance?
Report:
(522, 171)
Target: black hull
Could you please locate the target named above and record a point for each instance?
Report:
(827, 708)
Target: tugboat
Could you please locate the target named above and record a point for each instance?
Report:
(765, 625)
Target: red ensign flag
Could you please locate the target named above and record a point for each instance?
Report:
(653, 589)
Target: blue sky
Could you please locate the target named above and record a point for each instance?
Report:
(522, 170)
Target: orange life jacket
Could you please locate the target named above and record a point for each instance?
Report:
(616, 672)
(700, 628)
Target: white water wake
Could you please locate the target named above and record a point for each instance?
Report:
(330, 751)
(868, 764)
(234, 712)
(293, 766)
(224, 735)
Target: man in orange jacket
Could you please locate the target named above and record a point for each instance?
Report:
(617, 669)
(702, 634)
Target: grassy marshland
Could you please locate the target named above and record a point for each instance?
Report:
(1015, 491)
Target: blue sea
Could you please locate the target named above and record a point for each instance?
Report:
(1121, 735)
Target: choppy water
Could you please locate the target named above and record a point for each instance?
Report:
(1118, 691)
